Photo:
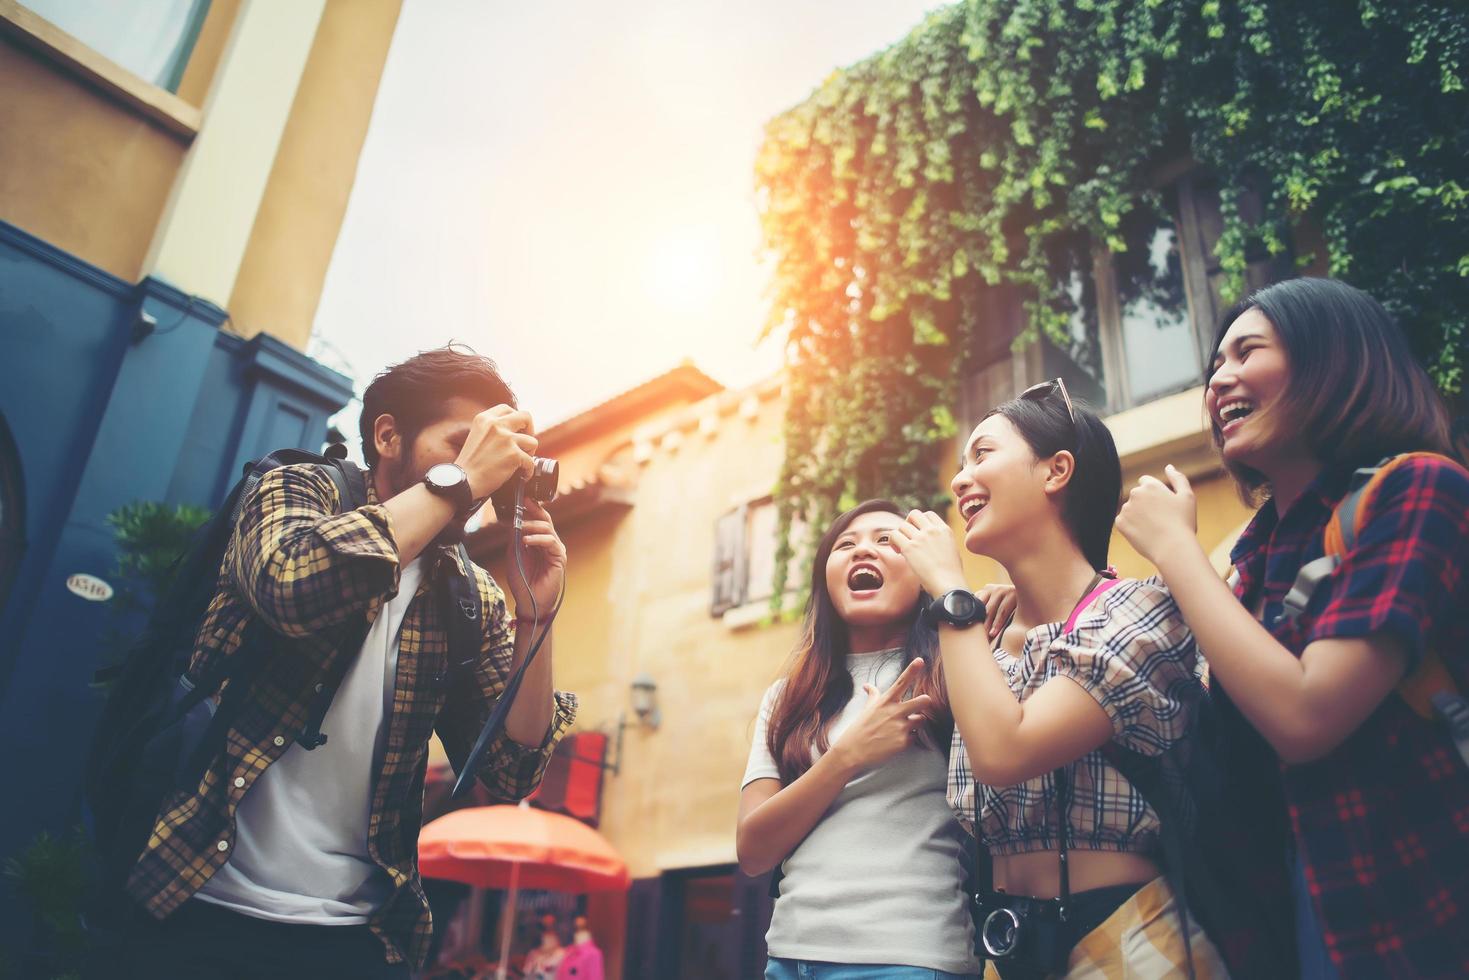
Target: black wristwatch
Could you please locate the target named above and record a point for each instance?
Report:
(450, 481)
(958, 607)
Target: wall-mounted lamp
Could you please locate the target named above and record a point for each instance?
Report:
(645, 700)
(644, 697)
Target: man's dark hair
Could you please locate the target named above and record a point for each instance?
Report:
(416, 391)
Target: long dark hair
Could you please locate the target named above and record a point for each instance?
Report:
(817, 684)
(1356, 391)
(1089, 502)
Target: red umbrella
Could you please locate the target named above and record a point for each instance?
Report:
(487, 846)
(514, 847)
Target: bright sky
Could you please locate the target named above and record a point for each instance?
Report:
(569, 187)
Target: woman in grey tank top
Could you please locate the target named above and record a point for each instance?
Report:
(844, 793)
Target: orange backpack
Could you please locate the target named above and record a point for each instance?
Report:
(1430, 690)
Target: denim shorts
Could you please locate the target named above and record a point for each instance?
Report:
(782, 969)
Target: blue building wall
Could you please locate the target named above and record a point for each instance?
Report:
(105, 411)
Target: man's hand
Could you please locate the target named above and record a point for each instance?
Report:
(544, 561)
(501, 441)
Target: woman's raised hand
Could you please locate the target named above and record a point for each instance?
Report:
(1159, 518)
(927, 543)
(886, 725)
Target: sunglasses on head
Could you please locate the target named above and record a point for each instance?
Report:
(1040, 391)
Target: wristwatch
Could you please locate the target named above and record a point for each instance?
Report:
(958, 607)
(451, 482)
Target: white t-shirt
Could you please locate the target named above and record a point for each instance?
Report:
(300, 851)
(878, 880)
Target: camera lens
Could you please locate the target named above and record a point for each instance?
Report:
(1000, 933)
(544, 480)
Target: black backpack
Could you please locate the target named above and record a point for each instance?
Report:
(1222, 834)
(1223, 837)
(160, 729)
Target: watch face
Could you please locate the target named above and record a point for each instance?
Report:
(444, 475)
(961, 605)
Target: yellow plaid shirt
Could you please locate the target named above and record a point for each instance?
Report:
(298, 567)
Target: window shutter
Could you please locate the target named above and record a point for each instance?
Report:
(729, 574)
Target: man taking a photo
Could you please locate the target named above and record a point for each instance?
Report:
(289, 862)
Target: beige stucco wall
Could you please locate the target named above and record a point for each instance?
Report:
(637, 600)
(295, 229)
(211, 210)
(582, 459)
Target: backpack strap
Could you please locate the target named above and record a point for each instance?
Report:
(1430, 690)
(351, 483)
(1340, 536)
(466, 634)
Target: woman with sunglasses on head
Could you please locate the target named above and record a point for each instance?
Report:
(844, 790)
(1310, 382)
(1085, 660)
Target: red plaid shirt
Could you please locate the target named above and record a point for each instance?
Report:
(1382, 822)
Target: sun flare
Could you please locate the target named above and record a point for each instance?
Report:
(680, 273)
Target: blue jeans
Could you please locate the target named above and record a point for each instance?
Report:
(1315, 961)
(780, 969)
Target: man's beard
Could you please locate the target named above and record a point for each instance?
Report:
(402, 474)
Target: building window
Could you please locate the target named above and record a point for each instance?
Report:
(150, 38)
(1151, 346)
(745, 543)
(1142, 321)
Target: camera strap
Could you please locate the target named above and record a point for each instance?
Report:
(495, 723)
(983, 865)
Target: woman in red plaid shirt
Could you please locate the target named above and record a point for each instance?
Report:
(1310, 381)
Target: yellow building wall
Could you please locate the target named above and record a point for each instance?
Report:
(233, 189)
(295, 230)
(582, 459)
(81, 168)
(76, 168)
(206, 224)
(637, 600)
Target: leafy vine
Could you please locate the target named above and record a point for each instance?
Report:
(1003, 139)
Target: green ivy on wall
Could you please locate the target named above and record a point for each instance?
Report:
(1003, 140)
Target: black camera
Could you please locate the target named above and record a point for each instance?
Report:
(540, 486)
(1028, 932)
